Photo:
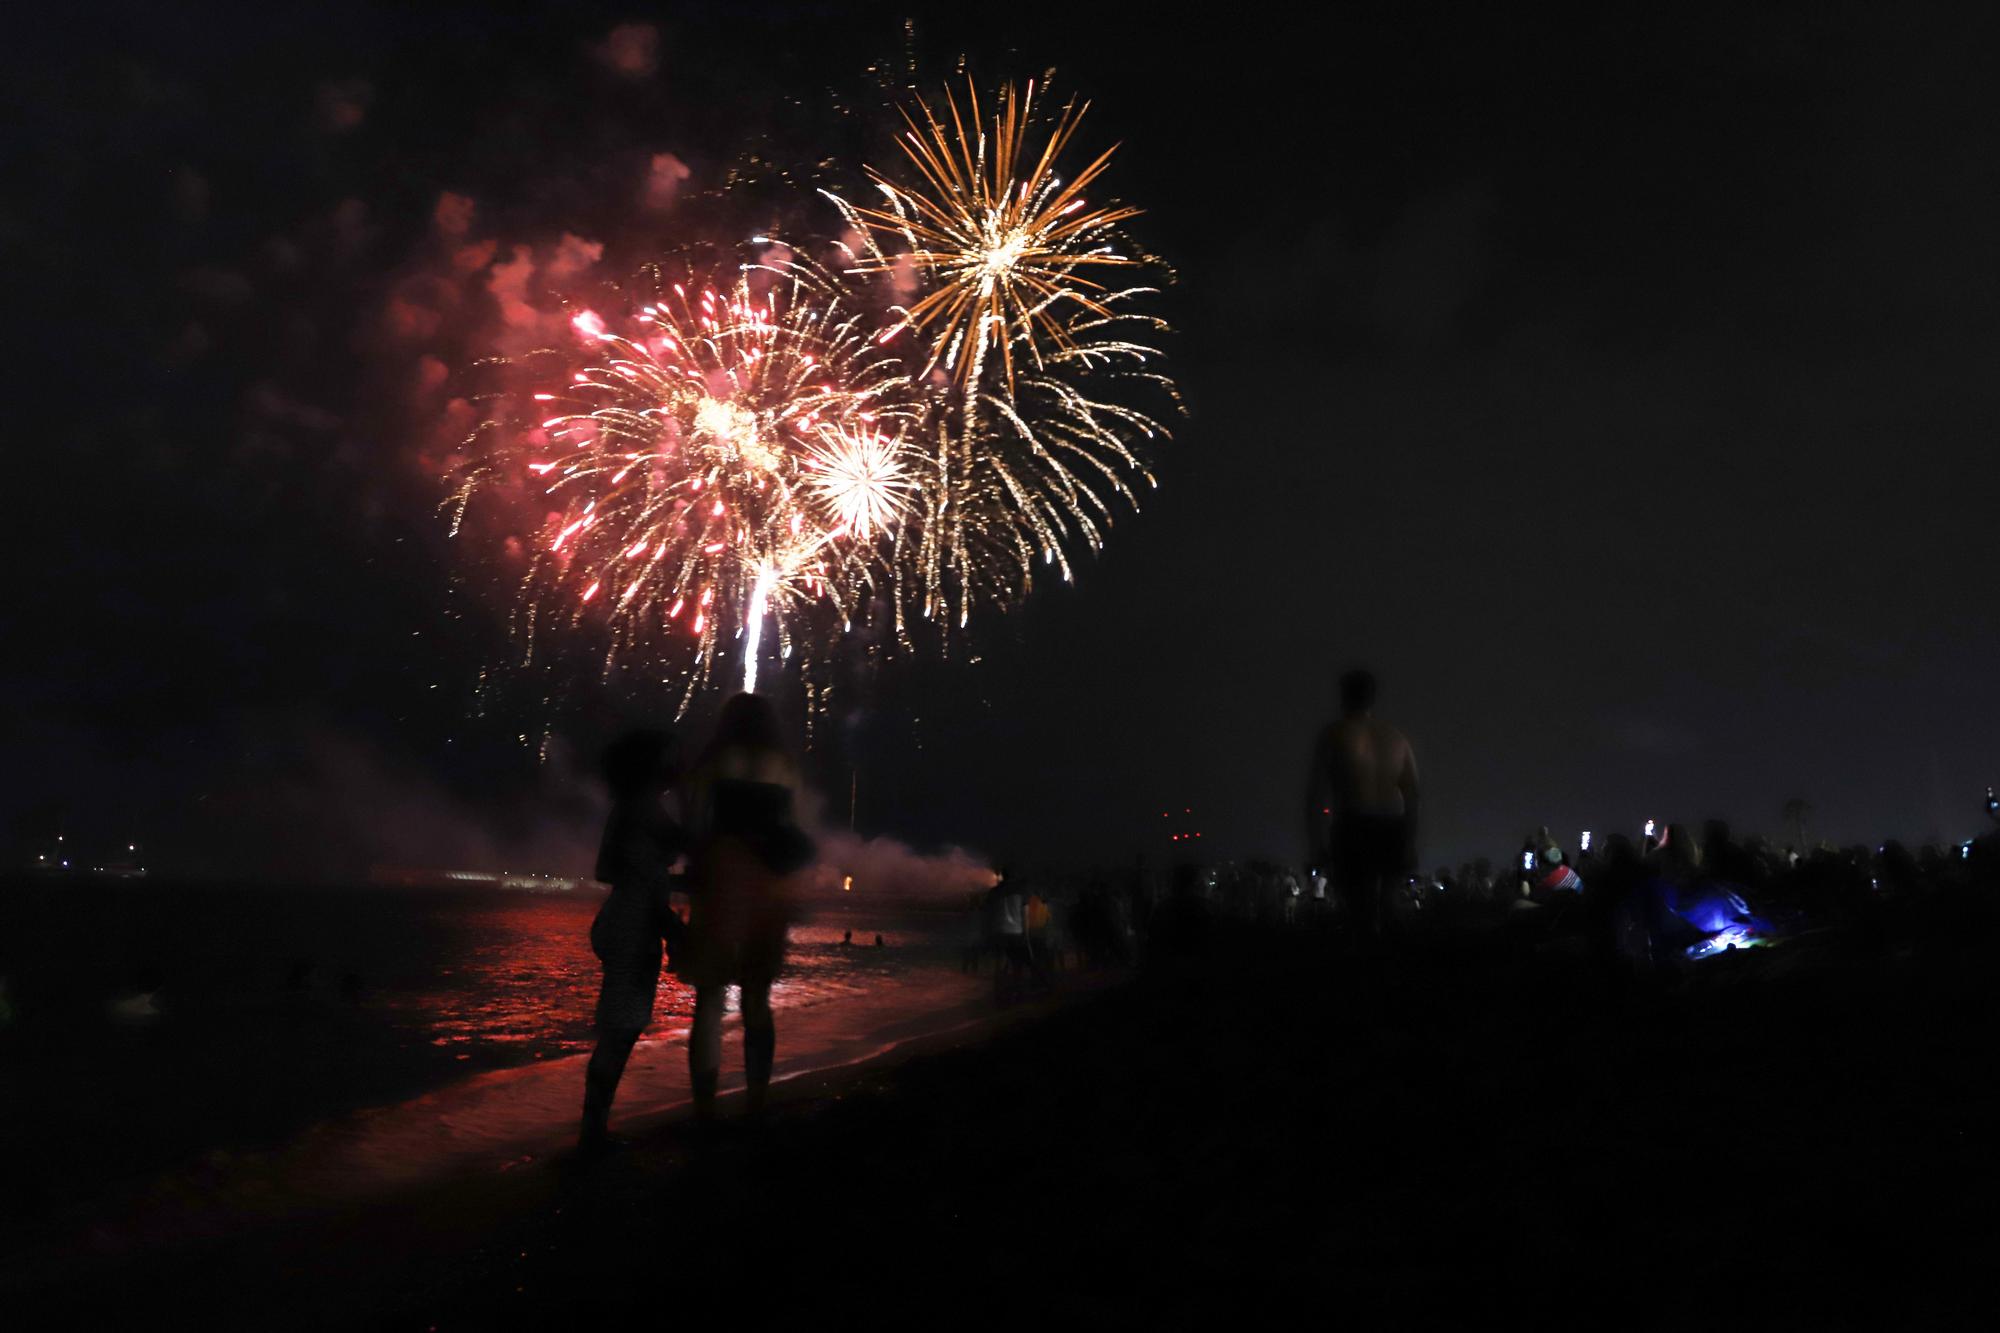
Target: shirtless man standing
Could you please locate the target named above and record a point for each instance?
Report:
(1361, 804)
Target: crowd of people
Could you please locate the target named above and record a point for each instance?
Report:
(735, 854)
(1661, 899)
(1645, 903)
(1656, 901)
(1027, 931)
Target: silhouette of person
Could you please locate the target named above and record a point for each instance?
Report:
(1361, 804)
(641, 843)
(749, 855)
(1041, 940)
(1007, 921)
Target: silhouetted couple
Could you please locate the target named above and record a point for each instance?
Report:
(1361, 807)
(745, 853)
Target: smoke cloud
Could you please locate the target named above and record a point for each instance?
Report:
(453, 215)
(886, 868)
(342, 104)
(664, 179)
(630, 50)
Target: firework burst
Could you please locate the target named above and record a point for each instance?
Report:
(762, 450)
(860, 478)
(1015, 479)
(1007, 245)
(688, 459)
(1035, 450)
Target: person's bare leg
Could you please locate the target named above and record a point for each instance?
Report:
(760, 1043)
(705, 1050)
(600, 1085)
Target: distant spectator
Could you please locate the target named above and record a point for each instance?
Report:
(1361, 805)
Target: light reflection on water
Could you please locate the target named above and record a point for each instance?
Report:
(507, 977)
(523, 975)
(289, 1007)
(279, 1008)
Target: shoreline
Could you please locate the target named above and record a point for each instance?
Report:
(484, 1122)
(257, 1041)
(1256, 1119)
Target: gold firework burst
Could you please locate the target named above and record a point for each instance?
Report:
(1007, 244)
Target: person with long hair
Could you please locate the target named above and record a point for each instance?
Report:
(748, 862)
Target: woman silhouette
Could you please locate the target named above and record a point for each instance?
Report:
(641, 844)
(749, 851)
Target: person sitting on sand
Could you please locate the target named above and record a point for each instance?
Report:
(641, 843)
(749, 857)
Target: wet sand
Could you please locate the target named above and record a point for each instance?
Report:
(462, 1036)
(480, 1124)
(1263, 1132)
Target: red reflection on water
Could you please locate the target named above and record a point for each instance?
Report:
(521, 972)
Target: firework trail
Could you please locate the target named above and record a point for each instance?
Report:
(722, 456)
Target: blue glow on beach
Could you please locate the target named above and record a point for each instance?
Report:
(1724, 940)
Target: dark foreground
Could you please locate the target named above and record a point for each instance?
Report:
(1261, 1133)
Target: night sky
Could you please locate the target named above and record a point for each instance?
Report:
(1621, 388)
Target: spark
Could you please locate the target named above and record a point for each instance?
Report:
(679, 451)
(1009, 246)
(1041, 446)
(771, 447)
(860, 478)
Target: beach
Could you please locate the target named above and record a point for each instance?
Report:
(1799, 1131)
(295, 1047)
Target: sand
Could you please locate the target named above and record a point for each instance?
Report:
(1264, 1133)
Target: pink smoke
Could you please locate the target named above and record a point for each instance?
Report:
(630, 50)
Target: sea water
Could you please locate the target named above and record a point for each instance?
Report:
(157, 1025)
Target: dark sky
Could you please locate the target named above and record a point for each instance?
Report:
(1621, 388)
